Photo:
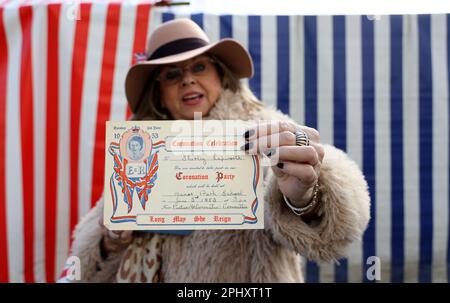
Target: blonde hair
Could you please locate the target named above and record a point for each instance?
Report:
(150, 106)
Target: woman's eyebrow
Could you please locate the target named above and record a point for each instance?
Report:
(194, 60)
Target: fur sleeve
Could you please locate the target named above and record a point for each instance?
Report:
(344, 211)
(86, 246)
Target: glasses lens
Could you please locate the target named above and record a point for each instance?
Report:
(198, 67)
(171, 75)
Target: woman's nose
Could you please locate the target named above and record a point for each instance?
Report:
(187, 78)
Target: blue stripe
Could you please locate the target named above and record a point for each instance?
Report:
(339, 80)
(448, 198)
(312, 272)
(283, 63)
(397, 215)
(425, 148)
(368, 85)
(310, 34)
(198, 18)
(340, 110)
(167, 17)
(254, 45)
(226, 26)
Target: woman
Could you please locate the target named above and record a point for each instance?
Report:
(316, 198)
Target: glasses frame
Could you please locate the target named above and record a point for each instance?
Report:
(183, 70)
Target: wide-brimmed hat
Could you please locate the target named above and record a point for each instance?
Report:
(179, 40)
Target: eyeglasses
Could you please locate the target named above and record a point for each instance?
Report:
(171, 75)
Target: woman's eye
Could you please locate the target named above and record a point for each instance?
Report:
(172, 74)
(198, 67)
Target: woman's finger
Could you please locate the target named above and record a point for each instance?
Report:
(263, 143)
(278, 172)
(304, 172)
(268, 128)
(278, 126)
(299, 154)
(274, 140)
(320, 151)
(267, 144)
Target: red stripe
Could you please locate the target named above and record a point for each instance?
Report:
(27, 140)
(51, 144)
(140, 36)
(76, 94)
(4, 276)
(104, 102)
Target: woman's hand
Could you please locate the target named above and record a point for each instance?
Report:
(114, 241)
(297, 167)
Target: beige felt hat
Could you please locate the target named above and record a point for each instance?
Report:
(179, 40)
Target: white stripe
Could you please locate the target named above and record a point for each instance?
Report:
(91, 84)
(411, 143)
(297, 72)
(326, 272)
(269, 60)
(39, 59)
(14, 189)
(303, 262)
(211, 26)
(383, 146)
(440, 146)
(154, 22)
(353, 61)
(65, 51)
(181, 15)
(325, 78)
(355, 262)
(240, 33)
(124, 53)
(297, 82)
(325, 101)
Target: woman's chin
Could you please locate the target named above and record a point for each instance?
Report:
(189, 112)
(191, 115)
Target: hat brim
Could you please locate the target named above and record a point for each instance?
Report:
(229, 51)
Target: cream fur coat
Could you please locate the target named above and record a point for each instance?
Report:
(269, 255)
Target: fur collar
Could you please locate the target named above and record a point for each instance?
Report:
(242, 105)
(232, 106)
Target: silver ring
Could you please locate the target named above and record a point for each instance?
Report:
(301, 138)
